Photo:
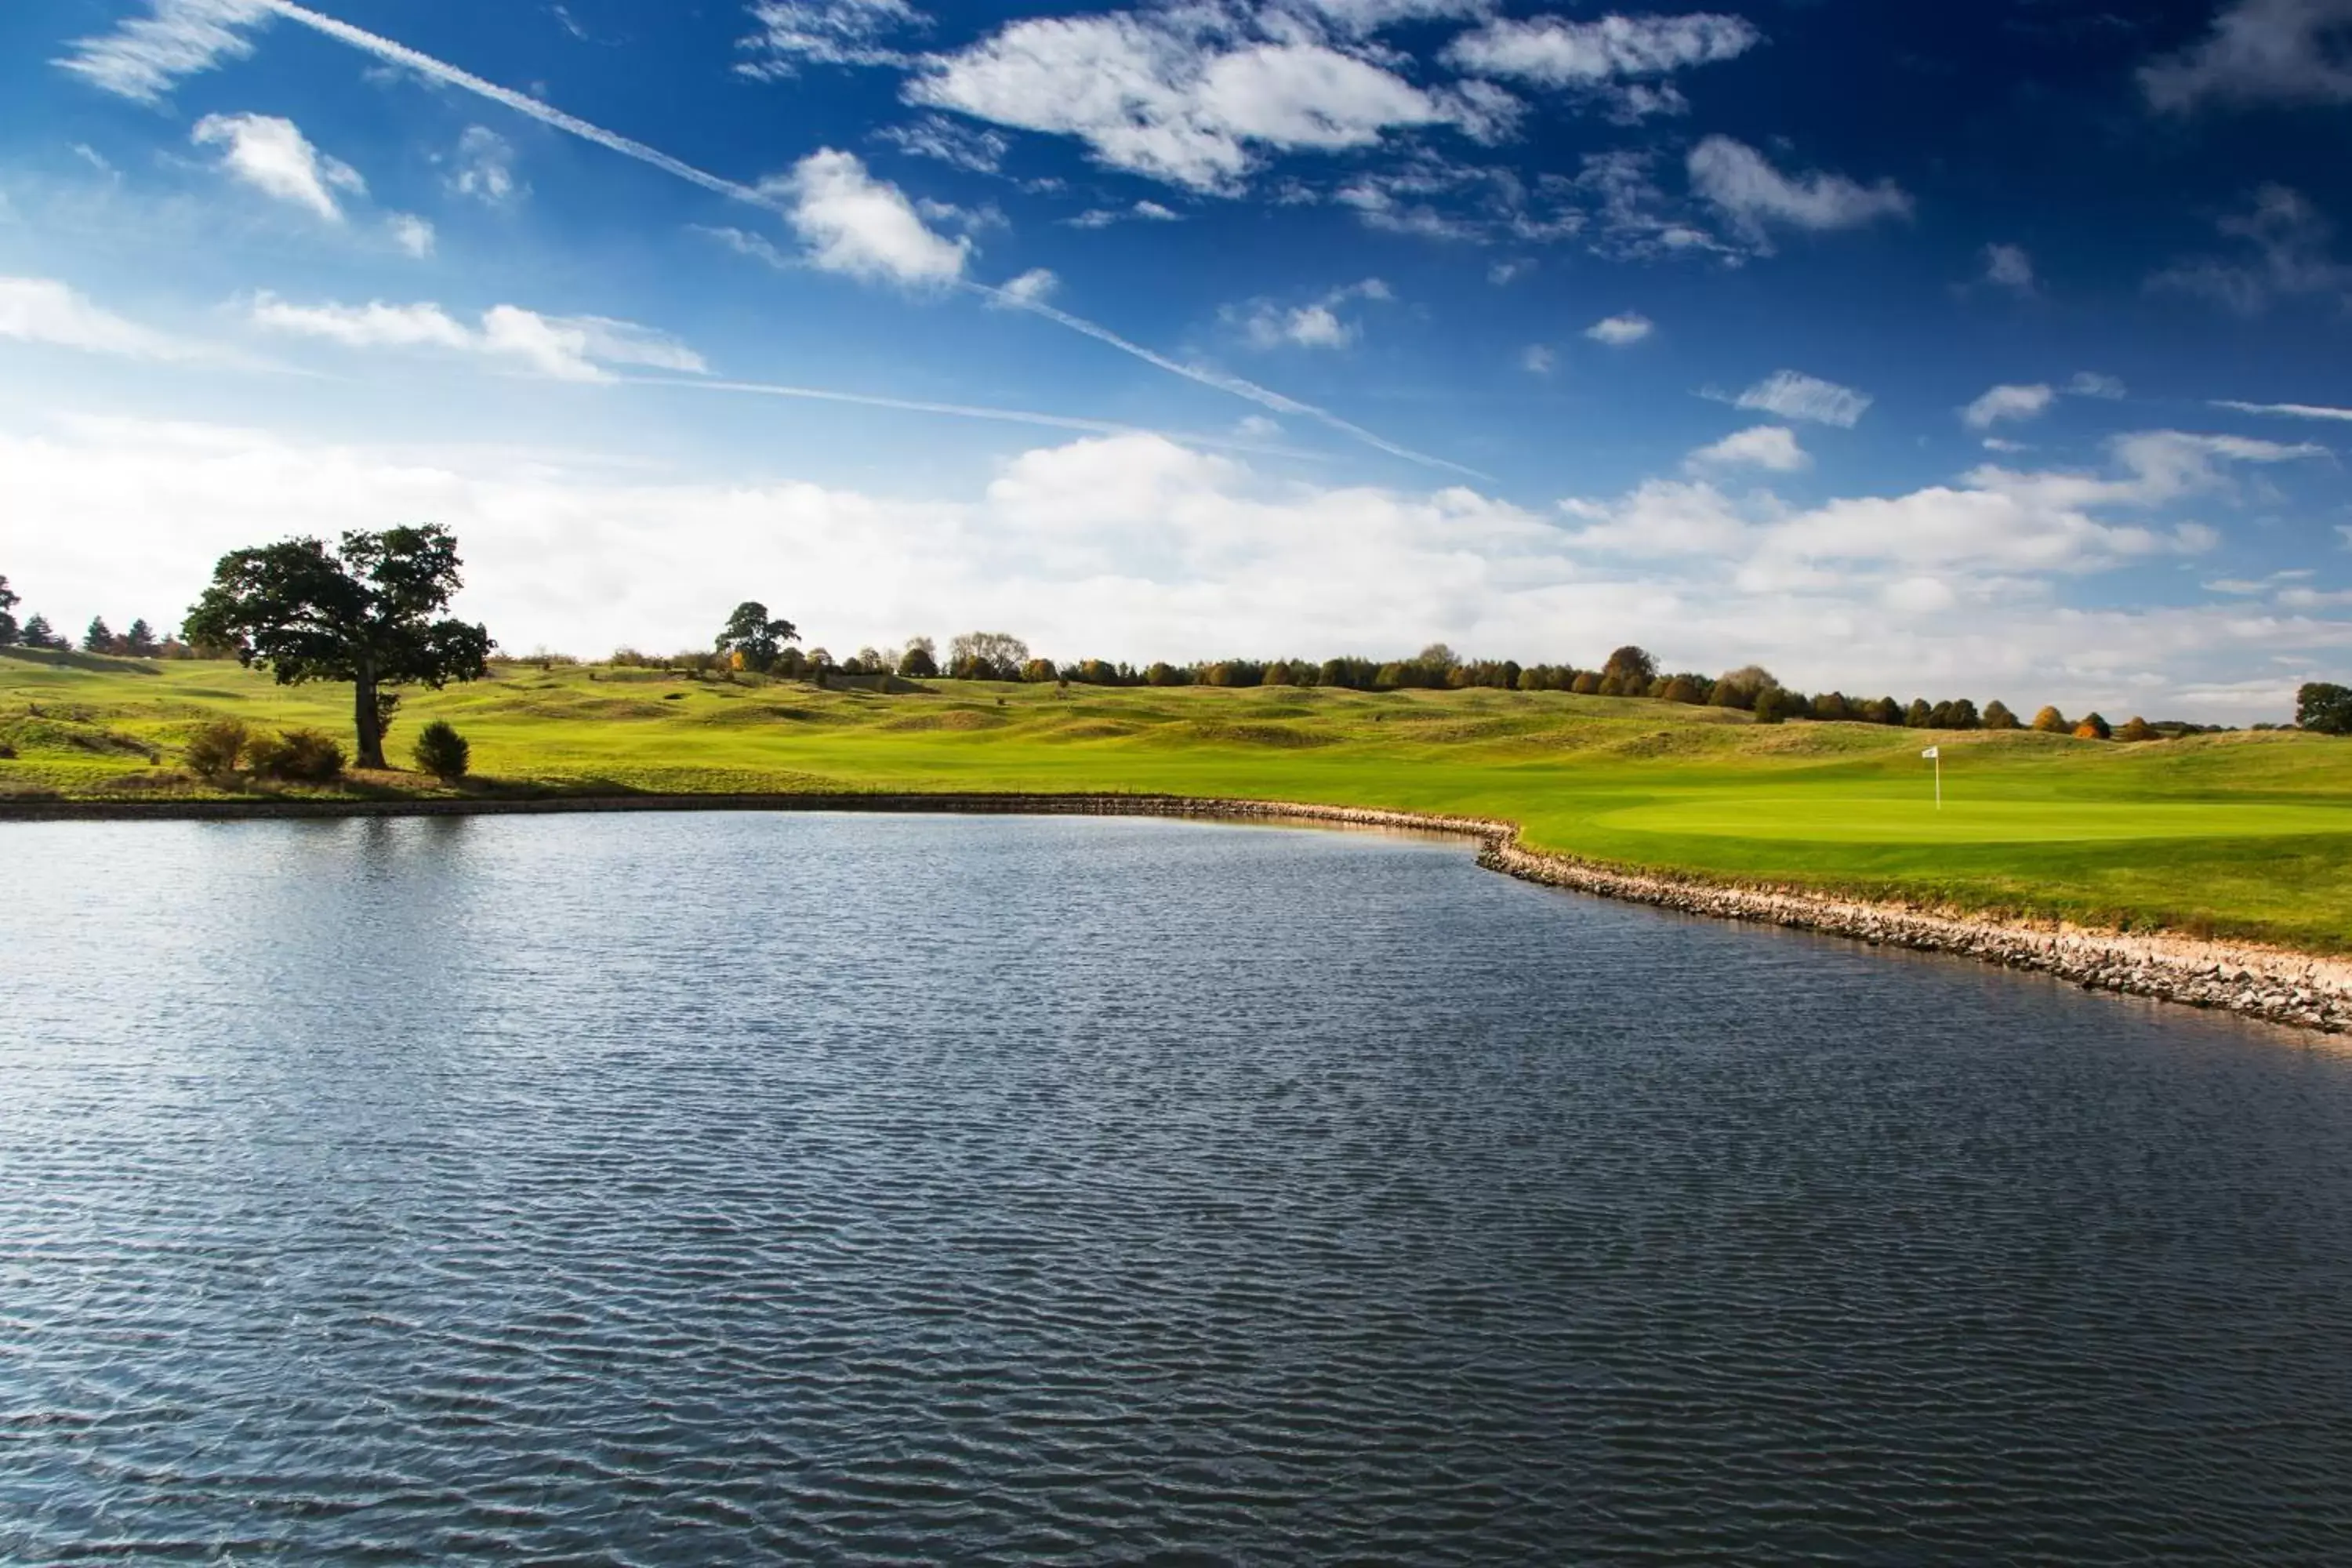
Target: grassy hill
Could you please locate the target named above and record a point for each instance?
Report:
(2244, 834)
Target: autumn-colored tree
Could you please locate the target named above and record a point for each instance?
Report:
(2049, 721)
(2093, 728)
(2138, 729)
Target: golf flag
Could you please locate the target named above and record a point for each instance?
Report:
(1934, 752)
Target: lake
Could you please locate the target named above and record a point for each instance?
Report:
(645, 1189)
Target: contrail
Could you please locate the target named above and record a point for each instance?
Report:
(628, 147)
(963, 411)
(1264, 397)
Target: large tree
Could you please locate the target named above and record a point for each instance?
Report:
(7, 622)
(369, 613)
(749, 632)
(2325, 707)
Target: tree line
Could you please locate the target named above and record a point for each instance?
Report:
(370, 614)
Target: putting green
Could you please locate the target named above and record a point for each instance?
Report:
(1880, 820)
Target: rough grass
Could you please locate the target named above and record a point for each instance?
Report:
(2244, 834)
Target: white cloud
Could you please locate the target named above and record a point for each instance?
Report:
(1315, 325)
(1773, 447)
(563, 348)
(1130, 547)
(1792, 394)
(1629, 326)
(1185, 95)
(1037, 283)
(1736, 178)
(483, 167)
(2282, 51)
(943, 141)
(1142, 212)
(826, 32)
(1603, 56)
(2285, 410)
(145, 54)
(274, 157)
(854, 224)
(2091, 384)
(2289, 238)
(2007, 402)
(43, 311)
(1537, 360)
(2008, 267)
(411, 234)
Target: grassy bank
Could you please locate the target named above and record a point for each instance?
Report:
(2243, 835)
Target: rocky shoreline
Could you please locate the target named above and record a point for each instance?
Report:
(2244, 978)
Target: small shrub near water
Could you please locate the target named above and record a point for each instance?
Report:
(214, 750)
(442, 752)
(297, 756)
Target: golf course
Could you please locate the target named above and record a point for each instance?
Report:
(2245, 835)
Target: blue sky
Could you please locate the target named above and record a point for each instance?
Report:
(1996, 350)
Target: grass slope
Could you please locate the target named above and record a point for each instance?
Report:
(2244, 834)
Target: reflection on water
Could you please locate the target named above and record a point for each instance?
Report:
(672, 1189)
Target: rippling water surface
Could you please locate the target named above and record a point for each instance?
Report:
(672, 1189)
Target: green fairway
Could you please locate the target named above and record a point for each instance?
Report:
(1866, 819)
(2236, 834)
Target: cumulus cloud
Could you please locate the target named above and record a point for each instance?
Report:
(791, 33)
(2259, 52)
(411, 234)
(1792, 394)
(1744, 185)
(43, 311)
(1606, 57)
(1628, 327)
(1773, 447)
(1317, 324)
(1132, 547)
(852, 222)
(145, 54)
(2007, 402)
(483, 168)
(1037, 283)
(563, 348)
(1186, 96)
(2008, 267)
(274, 157)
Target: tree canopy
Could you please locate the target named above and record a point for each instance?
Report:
(8, 602)
(752, 632)
(366, 615)
(2319, 705)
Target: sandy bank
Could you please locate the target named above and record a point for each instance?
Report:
(2260, 981)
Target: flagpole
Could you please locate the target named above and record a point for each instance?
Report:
(1939, 778)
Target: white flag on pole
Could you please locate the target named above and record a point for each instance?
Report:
(1933, 751)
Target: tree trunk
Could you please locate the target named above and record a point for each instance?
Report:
(368, 720)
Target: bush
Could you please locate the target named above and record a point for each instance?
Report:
(442, 752)
(1996, 716)
(296, 756)
(1774, 706)
(2049, 721)
(2138, 729)
(214, 750)
(2093, 728)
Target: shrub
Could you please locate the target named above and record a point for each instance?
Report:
(1682, 689)
(2138, 729)
(1773, 706)
(1039, 670)
(296, 756)
(2049, 721)
(2093, 728)
(1996, 716)
(1586, 683)
(442, 752)
(214, 750)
